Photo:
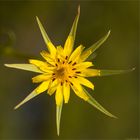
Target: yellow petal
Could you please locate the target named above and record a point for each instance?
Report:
(60, 53)
(59, 95)
(41, 88)
(85, 82)
(28, 67)
(90, 72)
(83, 65)
(51, 47)
(48, 57)
(77, 88)
(68, 47)
(66, 91)
(41, 77)
(42, 65)
(52, 87)
(37, 63)
(76, 53)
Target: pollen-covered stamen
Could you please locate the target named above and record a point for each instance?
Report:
(70, 62)
(53, 76)
(74, 63)
(74, 69)
(78, 72)
(53, 79)
(71, 83)
(58, 60)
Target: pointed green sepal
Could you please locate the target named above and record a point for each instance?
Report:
(27, 67)
(75, 23)
(95, 104)
(68, 46)
(94, 47)
(92, 56)
(58, 117)
(114, 72)
(43, 32)
(47, 40)
(29, 97)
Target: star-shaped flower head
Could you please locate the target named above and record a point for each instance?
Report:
(65, 68)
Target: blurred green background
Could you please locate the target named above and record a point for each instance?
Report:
(20, 39)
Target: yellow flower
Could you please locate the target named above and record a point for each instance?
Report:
(65, 68)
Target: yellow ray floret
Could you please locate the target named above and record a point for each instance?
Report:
(59, 95)
(66, 91)
(85, 82)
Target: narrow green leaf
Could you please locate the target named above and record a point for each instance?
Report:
(95, 104)
(58, 117)
(94, 47)
(114, 72)
(28, 67)
(43, 32)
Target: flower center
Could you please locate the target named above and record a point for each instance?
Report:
(60, 72)
(64, 70)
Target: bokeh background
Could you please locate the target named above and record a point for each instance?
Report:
(21, 39)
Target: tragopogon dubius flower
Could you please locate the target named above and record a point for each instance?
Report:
(65, 68)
